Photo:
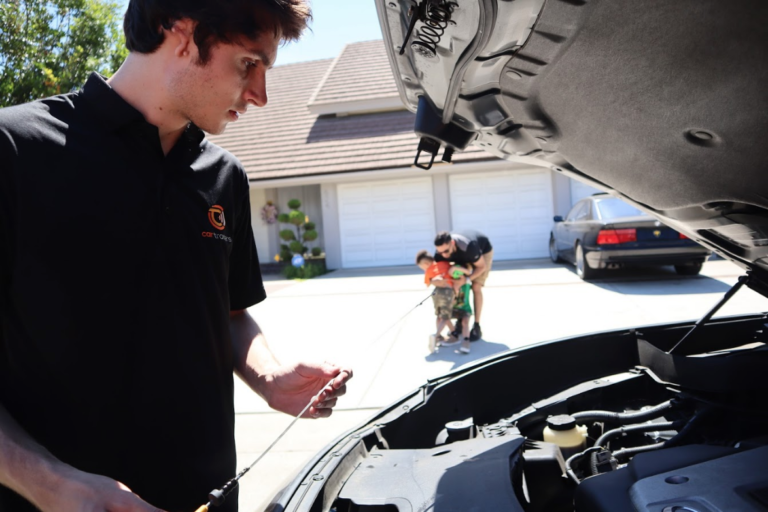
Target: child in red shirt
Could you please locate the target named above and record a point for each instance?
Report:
(446, 289)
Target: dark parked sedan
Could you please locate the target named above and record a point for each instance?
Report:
(602, 231)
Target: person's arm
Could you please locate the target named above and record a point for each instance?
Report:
(439, 282)
(479, 267)
(460, 268)
(286, 388)
(53, 486)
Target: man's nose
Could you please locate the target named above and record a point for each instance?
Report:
(256, 92)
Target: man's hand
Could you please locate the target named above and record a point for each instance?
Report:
(77, 491)
(290, 388)
(53, 486)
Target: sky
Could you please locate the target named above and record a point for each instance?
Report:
(335, 23)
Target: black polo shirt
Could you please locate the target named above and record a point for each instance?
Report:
(470, 247)
(118, 269)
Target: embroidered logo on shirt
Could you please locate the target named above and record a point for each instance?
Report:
(216, 216)
(217, 220)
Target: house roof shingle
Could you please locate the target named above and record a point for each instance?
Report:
(361, 72)
(286, 140)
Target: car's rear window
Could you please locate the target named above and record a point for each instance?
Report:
(611, 208)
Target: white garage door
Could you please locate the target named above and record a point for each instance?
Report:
(513, 208)
(385, 222)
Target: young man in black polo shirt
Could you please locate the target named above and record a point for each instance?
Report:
(472, 248)
(127, 261)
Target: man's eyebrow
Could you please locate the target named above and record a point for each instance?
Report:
(261, 55)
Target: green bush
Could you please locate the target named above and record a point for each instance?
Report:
(300, 232)
(308, 271)
(296, 217)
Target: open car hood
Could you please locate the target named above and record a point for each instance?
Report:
(664, 104)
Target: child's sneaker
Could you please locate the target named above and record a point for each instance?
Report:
(450, 341)
(464, 348)
(432, 343)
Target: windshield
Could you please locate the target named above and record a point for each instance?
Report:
(611, 208)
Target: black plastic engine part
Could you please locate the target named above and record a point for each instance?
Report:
(610, 492)
(449, 477)
(544, 467)
(731, 483)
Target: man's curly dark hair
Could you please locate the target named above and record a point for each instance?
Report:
(217, 21)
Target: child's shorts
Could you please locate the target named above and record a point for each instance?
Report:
(458, 314)
(443, 299)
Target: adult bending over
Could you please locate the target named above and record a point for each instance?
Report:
(473, 248)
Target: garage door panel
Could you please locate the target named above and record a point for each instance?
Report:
(513, 208)
(397, 216)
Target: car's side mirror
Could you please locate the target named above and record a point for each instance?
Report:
(558, 218)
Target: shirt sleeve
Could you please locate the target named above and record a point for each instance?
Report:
(246, 287)
(8, 158)
(473, 253)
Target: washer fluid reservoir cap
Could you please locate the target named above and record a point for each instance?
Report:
(561, 422)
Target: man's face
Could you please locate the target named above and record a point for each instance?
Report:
(446, 250)
(220, 91)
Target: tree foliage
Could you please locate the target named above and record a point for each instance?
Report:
(49, 47)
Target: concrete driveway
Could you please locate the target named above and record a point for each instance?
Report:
(361, 318)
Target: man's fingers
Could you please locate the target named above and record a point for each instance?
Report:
(328, 404)
(342, 378)
(318, 412)
(333, 393)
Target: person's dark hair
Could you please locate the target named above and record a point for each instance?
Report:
(217, 21)
(423, 255)
(442, 237)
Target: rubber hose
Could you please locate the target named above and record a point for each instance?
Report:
(643, 427)
(623, 418)
(627, 452)
(686, 431)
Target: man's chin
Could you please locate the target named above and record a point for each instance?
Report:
(214, 129)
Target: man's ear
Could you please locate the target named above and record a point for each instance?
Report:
(181, 36)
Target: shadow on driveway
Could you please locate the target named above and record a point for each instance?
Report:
(656, 281)
(479, 350)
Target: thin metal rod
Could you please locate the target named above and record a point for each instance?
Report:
(741, 282)
(231, 483)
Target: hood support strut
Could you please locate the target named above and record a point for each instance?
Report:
(730, 293)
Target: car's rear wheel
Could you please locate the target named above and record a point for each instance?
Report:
(689, 269)
(553, 254)
(583, 270)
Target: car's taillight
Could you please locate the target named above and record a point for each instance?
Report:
(682, 236)
(616, 236)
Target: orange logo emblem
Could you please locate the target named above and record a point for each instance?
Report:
(216, 216)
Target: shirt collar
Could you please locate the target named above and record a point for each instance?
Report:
(106, 105)
(114, 112)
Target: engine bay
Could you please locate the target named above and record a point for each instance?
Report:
(695, 440)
